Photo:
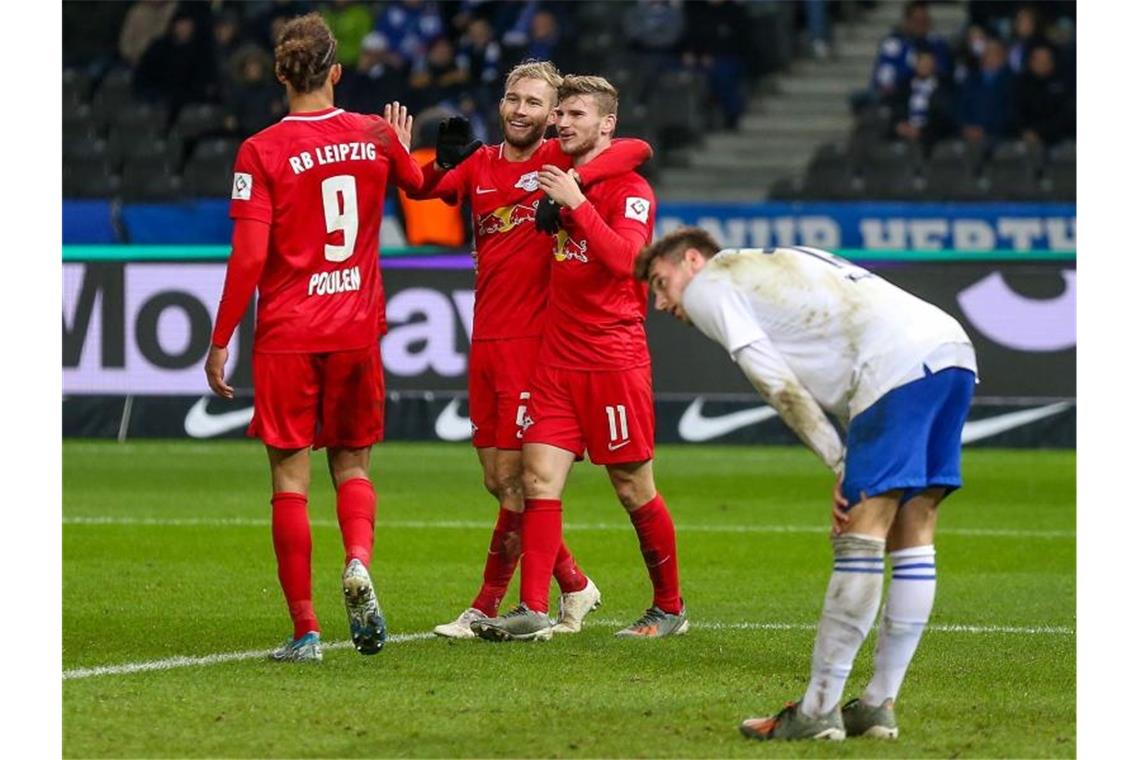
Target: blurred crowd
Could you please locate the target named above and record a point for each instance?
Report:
(446, 55)
(1010, 76)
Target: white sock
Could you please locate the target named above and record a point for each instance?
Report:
(848, 612)
(909, 601)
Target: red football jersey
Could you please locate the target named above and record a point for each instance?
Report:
(597, 307)
(512, 259)
(319, 180)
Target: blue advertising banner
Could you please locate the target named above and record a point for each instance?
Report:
(1042, 227)
(882, 226)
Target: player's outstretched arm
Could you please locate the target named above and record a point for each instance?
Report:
(771, 376)
(623, 156)
(247, 260)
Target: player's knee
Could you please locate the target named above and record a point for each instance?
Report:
(536, 482)
(491, 481)
(846, 545)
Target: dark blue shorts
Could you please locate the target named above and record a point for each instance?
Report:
(911, 438)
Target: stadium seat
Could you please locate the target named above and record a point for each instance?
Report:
(785, 189)
(946, 178)
(890, 180)
(1013, 175)
(155, 188)
(1063, 152)
(83, 114)
(137, 114)
(1059, 182)
(78, 131)
(216, 149)
(81, 180)
(957, 152)
(677, 103)
(141, 172)
(196, 120)
(831, 179)
(91, 150)
(112, 94)
(77, 86)
(127, 140)
(208, 178)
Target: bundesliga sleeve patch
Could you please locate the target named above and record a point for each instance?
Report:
(243, 186)
(637, 208)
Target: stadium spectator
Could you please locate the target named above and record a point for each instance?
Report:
(371, 83)
(227, 41)
(971, 48)
(547, 42)
(715, 43)
(894, 65)
(350, 22)
(408, 27)
(985, 101)
(146, 22)
(1027, 34)
(264, 25)
(179, 66)
(437, 77)
(654, 29)
(1045, 104)
(479, 54)
(922, 110)
(252, 97)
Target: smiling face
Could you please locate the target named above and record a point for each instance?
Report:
(525, 111)
(581, 125)
(668, 279)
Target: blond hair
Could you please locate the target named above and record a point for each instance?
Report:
(535, 69)
(604, 93)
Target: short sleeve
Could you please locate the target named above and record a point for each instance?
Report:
(721, 312)
(249, 197)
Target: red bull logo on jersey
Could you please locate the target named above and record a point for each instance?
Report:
(566, 247)
(339, 281)
(506, 218)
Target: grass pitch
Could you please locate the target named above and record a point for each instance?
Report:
(167, 553)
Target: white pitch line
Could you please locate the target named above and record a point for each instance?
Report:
(484, 525)
(210, 659)
(215, 659)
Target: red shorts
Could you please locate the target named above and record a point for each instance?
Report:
(328, 399)
(607, 413)
(498, 381)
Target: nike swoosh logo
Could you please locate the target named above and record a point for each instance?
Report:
(612, 447)
(696, 427)
(450, 425)
(999, 423)
(484, 190)
(200, 423)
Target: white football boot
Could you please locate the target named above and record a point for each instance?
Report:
(574, 607)
(460, 628)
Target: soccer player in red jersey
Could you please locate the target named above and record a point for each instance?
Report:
(513, 266)
(307, 199)
(592, 388)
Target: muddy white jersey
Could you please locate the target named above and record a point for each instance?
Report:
(847, 335)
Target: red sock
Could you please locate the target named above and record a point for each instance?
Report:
(293, 544)
(541, 537)
(658, 539)
(566, 571)
(356, 513)
(502, 557)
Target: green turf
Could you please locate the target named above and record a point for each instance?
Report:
(167, 552)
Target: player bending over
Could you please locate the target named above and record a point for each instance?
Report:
(814, 333)
(512, 278)
(592, 388)
(307, 199)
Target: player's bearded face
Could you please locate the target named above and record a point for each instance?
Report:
(525, 111)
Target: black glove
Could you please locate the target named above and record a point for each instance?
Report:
(454, 143)
(548, 216)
